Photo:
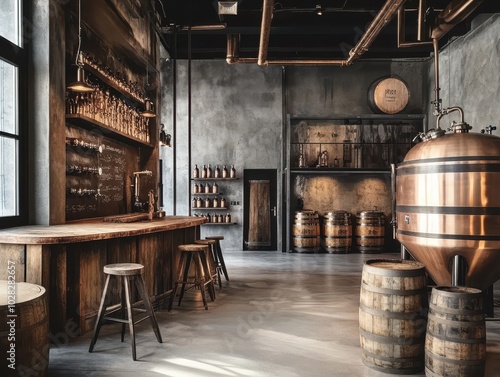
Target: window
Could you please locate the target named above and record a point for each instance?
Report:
(13, 106)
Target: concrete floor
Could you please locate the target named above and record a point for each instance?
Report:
(281, 315)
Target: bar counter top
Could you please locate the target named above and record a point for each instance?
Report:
(92, 230)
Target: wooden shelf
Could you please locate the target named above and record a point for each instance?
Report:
(219, 224)
(90, 124)
(214, 208)
(207, 193)
(338, 171)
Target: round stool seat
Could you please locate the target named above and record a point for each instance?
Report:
(205, 242)
(192, 247)
(123, 269)
(214, 238)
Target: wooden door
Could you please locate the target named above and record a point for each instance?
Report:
(260, 210)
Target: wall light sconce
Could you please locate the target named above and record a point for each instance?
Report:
(319, 10)
(165, 139)
(80, 85)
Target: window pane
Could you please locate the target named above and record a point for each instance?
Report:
(9, 175)
(8, 98)
(9, 20)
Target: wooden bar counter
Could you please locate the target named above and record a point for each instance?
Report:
(68, 261)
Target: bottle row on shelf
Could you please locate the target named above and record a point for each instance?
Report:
(207, 172)
(208, 203)
(102, 106)
(215, 218)
(206, 188)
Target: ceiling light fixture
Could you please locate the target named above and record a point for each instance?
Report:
(319, 10)
(228, 7)
(80, 85)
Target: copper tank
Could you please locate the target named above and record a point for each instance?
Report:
(448, 203)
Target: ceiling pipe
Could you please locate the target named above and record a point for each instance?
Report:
(384, 16)
(422, 8)
(233, 50)
(452, 15)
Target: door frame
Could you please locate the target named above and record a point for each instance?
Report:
(261, 174)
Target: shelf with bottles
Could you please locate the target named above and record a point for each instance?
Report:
(340, 145)
(209, 203)
(216, 219)
(138, 137)
(207, 173)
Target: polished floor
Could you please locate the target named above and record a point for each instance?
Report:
(281, 315)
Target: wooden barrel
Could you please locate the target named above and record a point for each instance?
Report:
(455, 343)
(306, 232)
(388, 95)
(392, 315)
(370, 231)
(337, 232)
(24, 329)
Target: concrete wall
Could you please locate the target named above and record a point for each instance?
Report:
(469, 77)
(236, 119)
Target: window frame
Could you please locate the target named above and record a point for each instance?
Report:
(17, 56)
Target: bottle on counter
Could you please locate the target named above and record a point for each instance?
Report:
(204, 172)
(209, 171)
(223, 203)
(224, 172)
(215, 188)
(207, 188)
(217, 172)
(196, 172)
(233, 172)
(228, 218)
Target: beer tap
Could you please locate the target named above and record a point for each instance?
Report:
(137, 205)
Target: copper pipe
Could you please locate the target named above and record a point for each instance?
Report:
(233, 49)
(437, 100)
(265, 30)
(453, 14)
(381, 20)
(401, 32)
(422, 5)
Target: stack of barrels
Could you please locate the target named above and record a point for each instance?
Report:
(402, 333)
(336, 232)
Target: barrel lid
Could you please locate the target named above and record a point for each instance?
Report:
(394, 267)
(454, 291)
(370, 213)
(336, 213)
(20, 292)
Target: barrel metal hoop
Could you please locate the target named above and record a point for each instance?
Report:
(448, 159)
(452, 168)
(481, 340)
(452, 292)
(29, 328)
(438, 309)
(394, 370)
(392, 315)
(392, 340)
(417, 271)
(399, 292)
(447, 360)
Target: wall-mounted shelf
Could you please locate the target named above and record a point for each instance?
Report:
(90, 124)
(211, 208)
(214, 179)
(207, 193)
(204, 224)
(337, 170)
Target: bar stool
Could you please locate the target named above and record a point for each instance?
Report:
(202, 279)
(215, 270)
(127, 272)
(219, 257)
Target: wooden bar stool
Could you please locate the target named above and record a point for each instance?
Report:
(215, 270)
(202, 279)
(219, 257)
(125, 272)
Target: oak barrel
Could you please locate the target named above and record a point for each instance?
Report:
(24, 329)
(388, 95)
(337, 232)
(370, 231)
(392, 315)
(306, 232)
(455, 343)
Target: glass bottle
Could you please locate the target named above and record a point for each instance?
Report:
(208, 203)
(207, 188)
(195, 188)
(215, 202)
(223, 203)
(193, 203)
(233, 172)
(209, 219)
(228, 218)
(215, 188)
(217, 172)
(199, 203)
(221, 218)
(209, 171)
(204, 172)
(224, 172)
(196, 172)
